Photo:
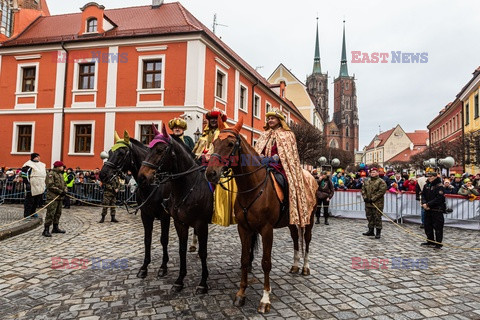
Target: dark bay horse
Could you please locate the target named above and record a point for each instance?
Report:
(190, 200)
(257, 208)
(128, 154)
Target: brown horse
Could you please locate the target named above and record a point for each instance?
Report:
(257, 207)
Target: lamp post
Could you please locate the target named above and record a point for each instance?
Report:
(197, 135)
(324, 162)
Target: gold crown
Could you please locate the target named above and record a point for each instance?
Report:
(276, 113)
(177, 122)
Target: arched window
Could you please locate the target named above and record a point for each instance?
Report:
(92, 25)
(347, 132)
(333, 144)
(347, 146)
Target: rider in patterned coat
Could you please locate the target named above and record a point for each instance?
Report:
(373, 191)
(56, 189)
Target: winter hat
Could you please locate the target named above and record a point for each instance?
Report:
(34, 155)
(58, 164)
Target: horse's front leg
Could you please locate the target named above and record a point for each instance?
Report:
(245, 238)
(165, 230)
(182, 232)
(202, 233)
(147, 221)
(267, 241)
(296, 253)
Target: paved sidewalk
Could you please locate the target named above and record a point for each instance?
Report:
(449, 288)
(11, 223)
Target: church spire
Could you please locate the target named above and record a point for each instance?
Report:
(317, 68)
(343, 63)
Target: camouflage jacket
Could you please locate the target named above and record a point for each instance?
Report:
(111, 187)
(374, 189)
(55, 184)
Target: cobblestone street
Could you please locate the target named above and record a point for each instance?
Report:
(449, 288)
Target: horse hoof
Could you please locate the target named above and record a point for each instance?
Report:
(201, 290)
(263, 307)
(176, 288)
(192, 249)
(294, 269)
(305, 272)
(239, 301)
(142, 274)
(162, 272)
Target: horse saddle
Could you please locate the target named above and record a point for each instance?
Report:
(280, 185)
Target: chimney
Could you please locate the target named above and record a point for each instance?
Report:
(156, 4)
(282, 89)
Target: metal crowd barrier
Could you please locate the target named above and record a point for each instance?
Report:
(14, 192)
(405, 207)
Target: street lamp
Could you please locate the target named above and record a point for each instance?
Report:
(324, 162)
(197, 135)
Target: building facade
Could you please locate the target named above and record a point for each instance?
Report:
(395, 145)
(288, 86)
(342, 131)
(69, 81)
(469, 97)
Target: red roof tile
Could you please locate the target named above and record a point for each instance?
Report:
(419, 137)
(406, 154)
(383, 138)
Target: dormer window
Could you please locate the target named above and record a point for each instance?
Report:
(92, 25)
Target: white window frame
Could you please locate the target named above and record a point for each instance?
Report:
(224, 97)
(82, 92)
(243, 108)
(142, 91)
(259, 110)
(267, 105)
(145, 122)
(19, 93)
(16, 124)
(71, 147)
(86, 26)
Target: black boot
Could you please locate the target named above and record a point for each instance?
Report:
(326, 219)
(317, 221)
(369, 232)
(102, 220)
(57, 230)
(379, 231)
(46, 232)
(114, 220)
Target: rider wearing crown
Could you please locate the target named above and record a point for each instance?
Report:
(279, 141)
(178, 127)
(223, 199)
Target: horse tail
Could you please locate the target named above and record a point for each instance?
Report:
(255, 242)
(301, 238)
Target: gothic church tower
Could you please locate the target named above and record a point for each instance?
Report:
(317, 84)
(345, 112)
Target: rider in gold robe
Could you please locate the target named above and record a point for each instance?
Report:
(223, 199)
(278, 139)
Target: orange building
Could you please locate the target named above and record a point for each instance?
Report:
(67, 82)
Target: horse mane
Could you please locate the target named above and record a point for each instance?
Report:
(182, 149)
(184, 146)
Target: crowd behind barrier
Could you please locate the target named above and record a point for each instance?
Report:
(14, 192)
(404, 207)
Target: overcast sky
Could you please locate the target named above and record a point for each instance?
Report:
(269, 32)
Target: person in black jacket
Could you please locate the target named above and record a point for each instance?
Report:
(433, 201)
(324, 194)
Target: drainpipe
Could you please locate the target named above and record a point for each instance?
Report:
(62, 138)
(253, 105)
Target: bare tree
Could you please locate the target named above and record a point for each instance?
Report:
(309, 142)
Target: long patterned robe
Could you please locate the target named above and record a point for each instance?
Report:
(301, 184)
(224, 201)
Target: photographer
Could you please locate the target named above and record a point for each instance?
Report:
(433, 202)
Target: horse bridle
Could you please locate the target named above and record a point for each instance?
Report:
(118, 171)
(236, 149)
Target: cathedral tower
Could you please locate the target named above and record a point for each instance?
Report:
(317, 84)
(345, 112)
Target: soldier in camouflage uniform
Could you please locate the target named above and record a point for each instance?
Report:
(55, 188)
(373, 191)
(110, 190)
